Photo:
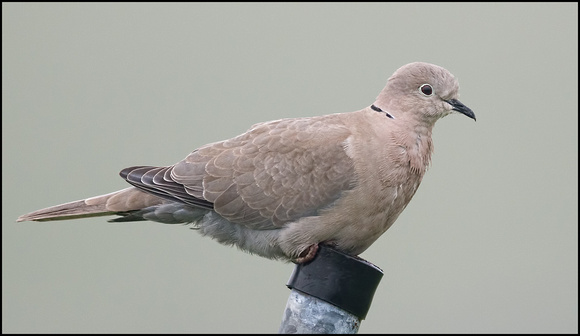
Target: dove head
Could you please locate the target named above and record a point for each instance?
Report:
(422, 91)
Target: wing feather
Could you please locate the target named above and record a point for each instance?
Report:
(273, 174)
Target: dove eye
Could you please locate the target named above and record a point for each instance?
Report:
(426, 89)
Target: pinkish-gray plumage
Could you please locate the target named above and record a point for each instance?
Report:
(287, 185)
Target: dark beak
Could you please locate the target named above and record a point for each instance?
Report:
(459, 107)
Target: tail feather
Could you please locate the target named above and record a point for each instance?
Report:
(120, 202)
(71, 210)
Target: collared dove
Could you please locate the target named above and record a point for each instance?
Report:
(285, 186)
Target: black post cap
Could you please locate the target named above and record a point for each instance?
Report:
(340, 279)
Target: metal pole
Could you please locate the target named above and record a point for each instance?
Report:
(330, 294)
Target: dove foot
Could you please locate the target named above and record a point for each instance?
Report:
(307, 254)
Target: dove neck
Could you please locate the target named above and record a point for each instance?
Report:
(416, 121)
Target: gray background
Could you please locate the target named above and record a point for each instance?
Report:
(488, 244)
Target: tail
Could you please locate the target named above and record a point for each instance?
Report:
(120, 202)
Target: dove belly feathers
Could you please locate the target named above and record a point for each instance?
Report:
(385, 181)
(285, 186)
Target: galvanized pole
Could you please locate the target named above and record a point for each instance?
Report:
(330, 294)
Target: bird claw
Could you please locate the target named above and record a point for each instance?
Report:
(307, 255)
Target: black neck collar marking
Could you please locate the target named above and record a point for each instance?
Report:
(379, 110)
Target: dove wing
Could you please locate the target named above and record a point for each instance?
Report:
(275, 173)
